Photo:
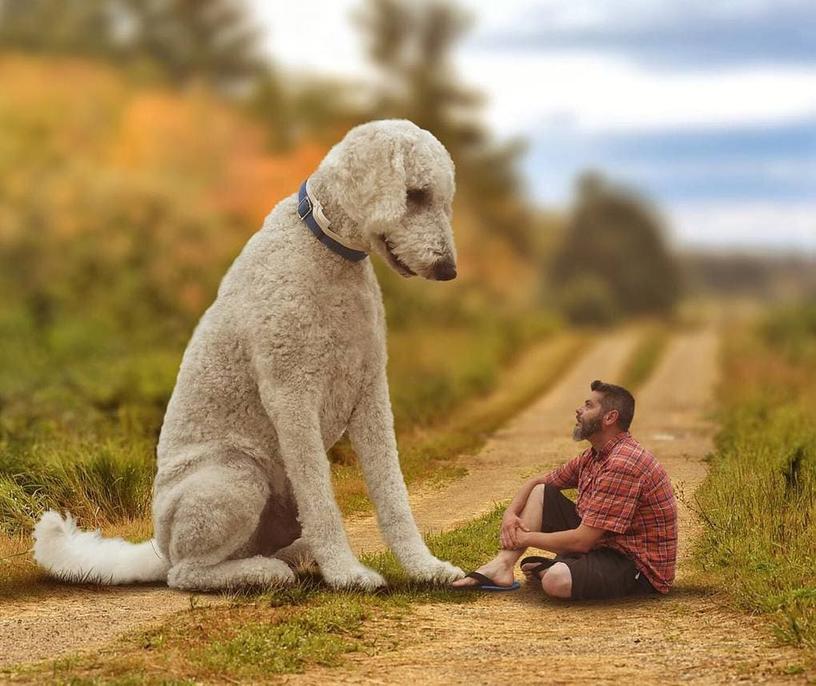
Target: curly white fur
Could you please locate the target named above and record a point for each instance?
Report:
(290, 355)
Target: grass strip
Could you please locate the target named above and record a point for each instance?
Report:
(758, 502)
(646, 356)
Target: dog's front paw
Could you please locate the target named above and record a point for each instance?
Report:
(433, 569)
(354, 577)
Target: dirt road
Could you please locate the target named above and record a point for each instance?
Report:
(689, 636)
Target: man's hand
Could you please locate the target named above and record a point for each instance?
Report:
(511, 529)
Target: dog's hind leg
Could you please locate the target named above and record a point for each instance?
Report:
(297, 554)
(210, 536)
(255, 572)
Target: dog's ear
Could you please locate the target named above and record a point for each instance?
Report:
(373, 174)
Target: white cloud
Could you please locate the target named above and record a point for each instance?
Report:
(599, 93)
(779, 169)
(781, 226)
(312, 35)
(525, 17)
(524, 88)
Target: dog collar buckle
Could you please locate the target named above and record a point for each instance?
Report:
(304, 208)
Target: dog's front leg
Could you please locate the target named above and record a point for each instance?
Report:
(371, 431)
(307, 467)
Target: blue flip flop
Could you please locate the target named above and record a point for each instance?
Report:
(486, 584)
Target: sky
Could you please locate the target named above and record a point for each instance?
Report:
(707, 107)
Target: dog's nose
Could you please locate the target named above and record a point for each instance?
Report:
(444, 270)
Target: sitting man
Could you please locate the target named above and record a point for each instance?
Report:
(619, 538)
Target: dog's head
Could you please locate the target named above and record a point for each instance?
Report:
(395, 181)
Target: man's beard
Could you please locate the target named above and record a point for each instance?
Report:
(583, 430)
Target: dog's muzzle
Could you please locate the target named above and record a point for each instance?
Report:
(444, 270)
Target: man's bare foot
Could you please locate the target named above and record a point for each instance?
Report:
(529, 573)
(534, 571)
(498, 571)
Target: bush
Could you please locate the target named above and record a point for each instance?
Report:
(586, 299)
(615, 238)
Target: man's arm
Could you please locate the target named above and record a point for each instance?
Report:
(580, 540)
(565, 476)
(610, 507)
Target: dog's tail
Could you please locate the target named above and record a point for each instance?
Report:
(84, 556)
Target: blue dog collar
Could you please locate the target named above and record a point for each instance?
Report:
(306, 212)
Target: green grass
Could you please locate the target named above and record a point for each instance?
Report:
(646, 356)
(317, 635)
(81, 404)
(758, 503)
(110, 480)
(284, 631)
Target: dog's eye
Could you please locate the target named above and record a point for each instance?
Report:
(418, 197)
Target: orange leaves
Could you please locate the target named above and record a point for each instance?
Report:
(66, 104)
(210, 150)
(130, 194)
(58, 113)
(255, 184)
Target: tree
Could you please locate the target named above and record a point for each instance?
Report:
(83, 27)
(616, 239)
(411, 44)
(214, 41)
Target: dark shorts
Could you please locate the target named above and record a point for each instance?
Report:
(600, 573)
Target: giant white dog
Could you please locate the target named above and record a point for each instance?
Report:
(290, 355)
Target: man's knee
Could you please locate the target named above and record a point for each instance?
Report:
(557, 581)
(537, 494)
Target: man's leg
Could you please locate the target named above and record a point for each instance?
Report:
(500, 568)
(597, 575)
(557, 581)
(601, 573)
(559, 514)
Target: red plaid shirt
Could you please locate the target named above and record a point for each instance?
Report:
(623, 489)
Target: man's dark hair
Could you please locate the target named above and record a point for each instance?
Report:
(616, 398)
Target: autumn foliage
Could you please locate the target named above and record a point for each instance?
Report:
(104, 178)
